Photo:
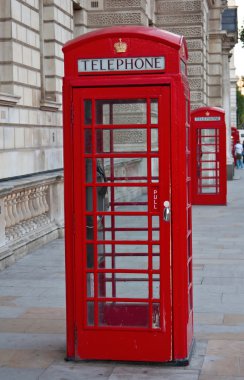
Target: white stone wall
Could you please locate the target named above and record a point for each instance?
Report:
(31, 63)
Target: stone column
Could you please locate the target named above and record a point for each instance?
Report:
(233, 105)
(57, 29)
(2, 223)
(227, 104)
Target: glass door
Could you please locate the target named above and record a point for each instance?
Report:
(122, 237)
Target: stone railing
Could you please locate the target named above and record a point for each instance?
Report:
(31, 213)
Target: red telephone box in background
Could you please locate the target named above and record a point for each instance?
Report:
(127, 196)
(208, 146)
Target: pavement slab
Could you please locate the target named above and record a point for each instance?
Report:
(32, 309)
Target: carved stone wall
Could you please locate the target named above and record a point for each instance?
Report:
(31, 214)
(121, 18)
(119, 12)
(188, 18)
(110, 5)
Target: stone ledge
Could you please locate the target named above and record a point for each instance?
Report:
(27, 181)
(11, 252)
(8, 99)
(49, 105)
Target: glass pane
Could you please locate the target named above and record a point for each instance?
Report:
(209, 148)
(208, 157)
(154, 111)
(121, 112)
(133, 256)
(123, 314)
(208, 140)
(208, 132)
(90, 313)
(104, 256)
(209, 165)
(89, 228)
(209, 173)
(156, 287)
(154, 140)
(89, 197)
(88, 170)
(90, 284)
(128, 169)
(156, 316)
(154, 169)
(211, 181)
(121, 140)
(155, 226)
(88, 112)
(129, 198)
(103, 140)
(104, 227)
(90, 256)
(127, 285)
(156, 256)
(208, 190)
(88, 141)
(156, 262)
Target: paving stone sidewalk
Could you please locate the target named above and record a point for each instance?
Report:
(32, 308)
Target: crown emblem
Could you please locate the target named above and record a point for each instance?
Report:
(120, 47)
(207, 113)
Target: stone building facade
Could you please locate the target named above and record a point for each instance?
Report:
(32, 33)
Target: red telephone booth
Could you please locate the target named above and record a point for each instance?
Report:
(235, 136)
(127, 196)
(208, 147)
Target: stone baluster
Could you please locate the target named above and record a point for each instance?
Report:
(23, 211)
(44, 199)
(36, 206)
(19, 202)
(28, 207)
(6, 213)
(30, 203)
(17, 216)
(42, 206)
(45, 206)
(12, 233)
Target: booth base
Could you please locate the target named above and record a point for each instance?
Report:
(174, 363)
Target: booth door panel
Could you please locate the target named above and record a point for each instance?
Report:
(208, 161)
(122, 237)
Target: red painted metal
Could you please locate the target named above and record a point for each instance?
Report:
(235, 136)
(128, 271)
(208, 156)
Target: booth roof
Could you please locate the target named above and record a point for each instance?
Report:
(150, 33)
(205, 109)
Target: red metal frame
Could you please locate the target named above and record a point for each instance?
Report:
(235, 136)
(142, 339)
(208, 156)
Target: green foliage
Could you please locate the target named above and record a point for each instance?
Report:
(241, 35)
(240, 109)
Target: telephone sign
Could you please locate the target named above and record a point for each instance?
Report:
(120, 64)
(127, 196)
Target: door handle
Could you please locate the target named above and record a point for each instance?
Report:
(166, 211)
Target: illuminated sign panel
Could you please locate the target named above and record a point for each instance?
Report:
(120, 64)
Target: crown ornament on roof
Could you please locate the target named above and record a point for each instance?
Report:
(120, 47)
(207, 113)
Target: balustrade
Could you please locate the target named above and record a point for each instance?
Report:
(25, 211)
